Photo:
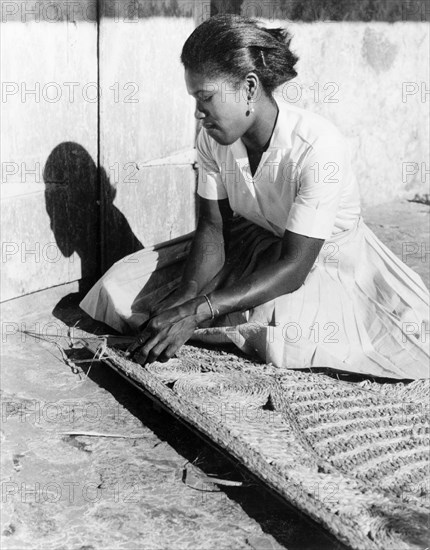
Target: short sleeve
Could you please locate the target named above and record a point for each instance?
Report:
(322, 177)
(210, 185)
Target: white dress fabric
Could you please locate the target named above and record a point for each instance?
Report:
(304, 182)
(360, 309)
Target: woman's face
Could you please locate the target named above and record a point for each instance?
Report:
(221, 108)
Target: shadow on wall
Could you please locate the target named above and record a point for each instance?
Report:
(328, 10)
(76, 199)
(85, 221)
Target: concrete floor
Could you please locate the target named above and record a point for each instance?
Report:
(69, 492)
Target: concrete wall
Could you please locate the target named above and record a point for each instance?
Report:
(372, 81)
(49, 214)
(110, 176)
(147, 131)
(68, 220)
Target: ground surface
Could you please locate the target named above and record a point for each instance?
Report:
(65, 491)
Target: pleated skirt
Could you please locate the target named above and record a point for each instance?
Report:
(360, 310)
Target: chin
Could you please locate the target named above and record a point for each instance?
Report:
(223, 139)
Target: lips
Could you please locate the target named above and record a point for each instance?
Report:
(208, 125)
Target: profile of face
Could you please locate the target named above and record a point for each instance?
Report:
(220, 106)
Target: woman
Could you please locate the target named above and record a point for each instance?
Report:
(281, 263)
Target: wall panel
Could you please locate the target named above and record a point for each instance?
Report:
(48, 147)
(147, 129)
(372, 81)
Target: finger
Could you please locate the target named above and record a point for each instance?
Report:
(156, 351)
(147, 349)
(132, 348)
(140, 341)
(170, 351)
(138, 358)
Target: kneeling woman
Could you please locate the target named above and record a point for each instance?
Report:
(282, 263)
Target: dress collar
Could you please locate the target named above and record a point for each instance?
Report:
(281, 137)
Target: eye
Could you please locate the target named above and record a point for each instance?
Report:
(206, 99)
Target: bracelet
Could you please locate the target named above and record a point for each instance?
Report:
(210, 306)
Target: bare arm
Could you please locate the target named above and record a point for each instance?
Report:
(207, 254)
(166, 332)
(208, 250)
(282, 277)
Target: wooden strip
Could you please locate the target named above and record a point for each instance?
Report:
(187, 156)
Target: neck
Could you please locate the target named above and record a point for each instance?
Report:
(259, 134)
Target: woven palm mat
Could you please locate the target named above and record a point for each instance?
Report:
(353, 456)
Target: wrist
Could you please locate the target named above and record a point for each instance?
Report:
(203, 309)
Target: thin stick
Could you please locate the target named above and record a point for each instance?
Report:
(100, 434)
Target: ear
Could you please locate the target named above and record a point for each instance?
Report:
(252, 84)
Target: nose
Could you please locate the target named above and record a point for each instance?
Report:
(199, 113)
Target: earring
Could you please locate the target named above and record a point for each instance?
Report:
(249, 111)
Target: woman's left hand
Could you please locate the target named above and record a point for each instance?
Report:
(165, 333)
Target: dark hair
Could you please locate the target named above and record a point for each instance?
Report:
(233, 46)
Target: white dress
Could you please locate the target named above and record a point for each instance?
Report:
(360, 308)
